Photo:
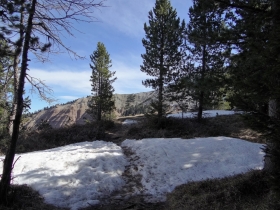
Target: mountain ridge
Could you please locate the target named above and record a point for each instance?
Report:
(74, 112)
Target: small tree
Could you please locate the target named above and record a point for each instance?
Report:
(130, 99)
(164, 37)
(101, 103)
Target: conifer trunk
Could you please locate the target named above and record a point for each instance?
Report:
(99, 95)
(160, 97)
(161, 72)
(200, 107)
(16, 61)
(201, 95)
(8, 162)
(269, 163)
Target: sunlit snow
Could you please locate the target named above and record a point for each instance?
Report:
(74, 175)
(129, 122)
(79, 175)
(167, 163)
(205, 114)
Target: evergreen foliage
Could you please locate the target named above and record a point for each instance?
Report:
(164, 37)
(206, 57)
(101, 104)
(130, 99)
(129, 108)
(6, 85)
(253, 29)
(6, 91)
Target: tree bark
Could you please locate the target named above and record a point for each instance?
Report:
(201, 95)
(200, 107)
(273, 103)
(160, 89)
(8, 162)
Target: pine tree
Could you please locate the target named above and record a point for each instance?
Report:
(207, 55)
(130, 99)
(254, 71)
(101, 103)
(164, 37)
(6, 88)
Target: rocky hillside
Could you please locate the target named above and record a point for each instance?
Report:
(62, 115)
(74, 112)
(138, 100)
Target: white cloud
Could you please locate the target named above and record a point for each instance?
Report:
(65, 81)
(69, 85)
(129, 78)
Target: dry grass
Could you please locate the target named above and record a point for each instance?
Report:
(23, 197)
(231, 126)
(247, 191)
(50, 138)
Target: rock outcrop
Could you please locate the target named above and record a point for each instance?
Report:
(75, 112)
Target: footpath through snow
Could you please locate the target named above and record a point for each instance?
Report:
(83, 174)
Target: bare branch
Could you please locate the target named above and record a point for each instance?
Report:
(44, 91)
(54, 18)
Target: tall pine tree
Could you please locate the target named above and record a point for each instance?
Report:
(164, 37)
(254, 28)
(207, 55)
(101, 103)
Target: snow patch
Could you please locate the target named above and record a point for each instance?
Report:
(79, 175)
(129, 122)
(74, 175)
(206, 113)
(167, 163)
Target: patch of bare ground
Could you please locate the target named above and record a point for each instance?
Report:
(247, 191)
(130, 197)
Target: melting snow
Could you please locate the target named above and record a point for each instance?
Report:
(206, 113)
(80, 174)
(167, 163)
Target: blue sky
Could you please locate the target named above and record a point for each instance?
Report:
(120, 27)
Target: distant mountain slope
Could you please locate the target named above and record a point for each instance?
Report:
(141, 99)
(62, 115)
(75, 112)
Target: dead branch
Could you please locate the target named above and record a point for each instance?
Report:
(38, 86)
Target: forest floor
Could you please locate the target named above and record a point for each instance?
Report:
(245, 191)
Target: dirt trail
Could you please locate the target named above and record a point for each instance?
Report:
(131, 196)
